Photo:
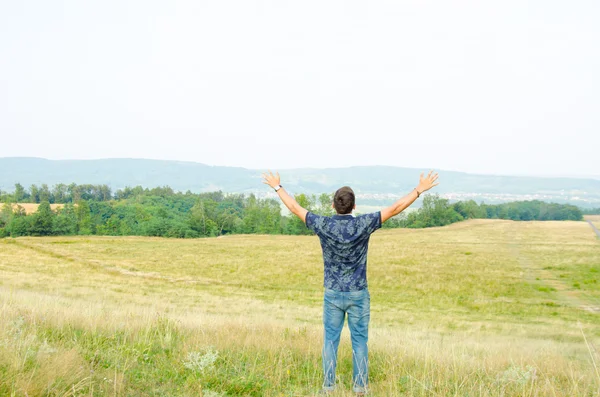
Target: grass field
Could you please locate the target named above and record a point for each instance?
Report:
(490, 308)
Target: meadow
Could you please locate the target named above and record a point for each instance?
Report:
(478, 308)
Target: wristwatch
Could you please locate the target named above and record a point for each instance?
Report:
(277, 187)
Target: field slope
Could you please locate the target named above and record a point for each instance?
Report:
(478, 308)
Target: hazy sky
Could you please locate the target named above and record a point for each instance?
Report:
(509, 87)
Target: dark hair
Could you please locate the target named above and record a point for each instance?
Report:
(343, 200)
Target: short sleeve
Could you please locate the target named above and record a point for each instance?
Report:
(313, 222)
(373, 221)
(310, 220)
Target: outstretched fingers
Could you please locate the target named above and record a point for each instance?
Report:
(269, 178)
(266, 177)
(433, 180)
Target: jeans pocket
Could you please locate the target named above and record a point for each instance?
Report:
(359, 295)
(332, 300)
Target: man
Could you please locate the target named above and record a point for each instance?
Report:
(345, 240)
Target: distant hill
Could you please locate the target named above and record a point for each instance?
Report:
(372, 183)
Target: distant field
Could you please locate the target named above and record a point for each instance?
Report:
(31, 208)
(479, 308)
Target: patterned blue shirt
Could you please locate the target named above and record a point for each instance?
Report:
(345, 242)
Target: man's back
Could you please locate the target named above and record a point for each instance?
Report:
(345, 243)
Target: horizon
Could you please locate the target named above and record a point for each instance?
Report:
(589, 176)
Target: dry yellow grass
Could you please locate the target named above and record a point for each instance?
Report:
(30, 208)
(479, 308)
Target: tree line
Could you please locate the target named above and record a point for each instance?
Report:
(437, 211)
(160, 211)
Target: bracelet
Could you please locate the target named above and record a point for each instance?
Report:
(418, 194)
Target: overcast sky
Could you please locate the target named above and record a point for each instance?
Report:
(503, 87)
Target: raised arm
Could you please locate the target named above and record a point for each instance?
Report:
(425, 183)
(290, 203)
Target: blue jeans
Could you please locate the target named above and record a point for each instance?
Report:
(335, 306)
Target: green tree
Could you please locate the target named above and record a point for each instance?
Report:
(20, 194)
(65, 223)
(60, 193)
(112, 227)
(84, 218)
(435, 211)
(19, 225)
(295, 225)
(226, 219)
(74, 193)
(325, 205)
(34, 194)
(104, 193)
(42, 221)
(45, 194)
(6, 215)
(470, 209)
(261, 216)
(199, 219)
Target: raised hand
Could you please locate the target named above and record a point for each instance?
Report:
(270, 179)
(427, 182)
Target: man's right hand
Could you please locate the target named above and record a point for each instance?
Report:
(427, 182)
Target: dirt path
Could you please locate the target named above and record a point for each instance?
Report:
(594, 227)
